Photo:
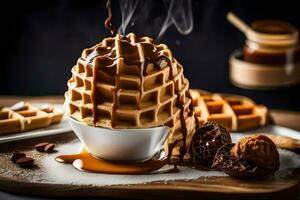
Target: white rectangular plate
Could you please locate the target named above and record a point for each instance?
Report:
(61, 127)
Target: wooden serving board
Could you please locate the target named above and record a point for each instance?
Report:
(35, 182)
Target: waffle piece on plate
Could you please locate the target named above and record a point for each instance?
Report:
(24, 117)
(55, 114)
(236, 113)
(132, 82)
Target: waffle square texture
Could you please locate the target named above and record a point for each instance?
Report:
(132, 82)
(27, 117)
(236, 113)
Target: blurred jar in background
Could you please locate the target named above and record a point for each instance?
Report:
(270, 57)
(275, 43)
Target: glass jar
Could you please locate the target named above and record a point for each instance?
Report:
(272, 43)
(270, 57)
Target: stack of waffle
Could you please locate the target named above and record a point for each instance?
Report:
(236, 113)
(131, 82)
(24, 117)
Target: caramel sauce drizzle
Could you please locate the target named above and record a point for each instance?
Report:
(95, 96)
(180, 105)
(84, 161)
(141, 85)
(191, 106)
(107, 22)
(115, 100)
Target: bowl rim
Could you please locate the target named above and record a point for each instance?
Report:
(116, 129)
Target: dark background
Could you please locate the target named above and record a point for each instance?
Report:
(41, 41)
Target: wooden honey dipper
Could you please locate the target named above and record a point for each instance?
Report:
(252, 34)
(284, 142)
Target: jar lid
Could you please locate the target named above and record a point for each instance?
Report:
(273, 32)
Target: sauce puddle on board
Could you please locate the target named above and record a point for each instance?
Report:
(86, 162)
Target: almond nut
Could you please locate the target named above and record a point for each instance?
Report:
(49, 148)
(16, 156)
(41, 146)
(25, 162)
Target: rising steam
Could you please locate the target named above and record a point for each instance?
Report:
(127, 9)
(176, 12)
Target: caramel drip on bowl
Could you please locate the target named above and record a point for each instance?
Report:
(84, 161)
(191, 106)
(180, 105)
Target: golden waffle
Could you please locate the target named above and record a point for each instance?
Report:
(23, 117)
(55, 114)
(236, 113)
(131, 82)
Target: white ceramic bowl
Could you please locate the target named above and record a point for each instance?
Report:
(120, 144)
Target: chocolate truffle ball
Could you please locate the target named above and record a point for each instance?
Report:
(207, 140)
(252, 157)
(258, 149)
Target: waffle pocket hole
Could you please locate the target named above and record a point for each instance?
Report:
(164, 111)
(104, 114)
(166, 93)
(153, 81)
(215, 109)
(28, 113)
(87, 85)
(129, 85)
(130, 101)
(73, 109)
(233, 102)
(207, 98)
(242, 110)
(87, 99)
(147, 117)
(131, 70)
(85, 112)
(170, 123)
(4, 115)
(80, 68)
(79, 82)
(75, 96)
(149, 99)
(88, 71)
(106, 95)
(107, 78)
(125, 119)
